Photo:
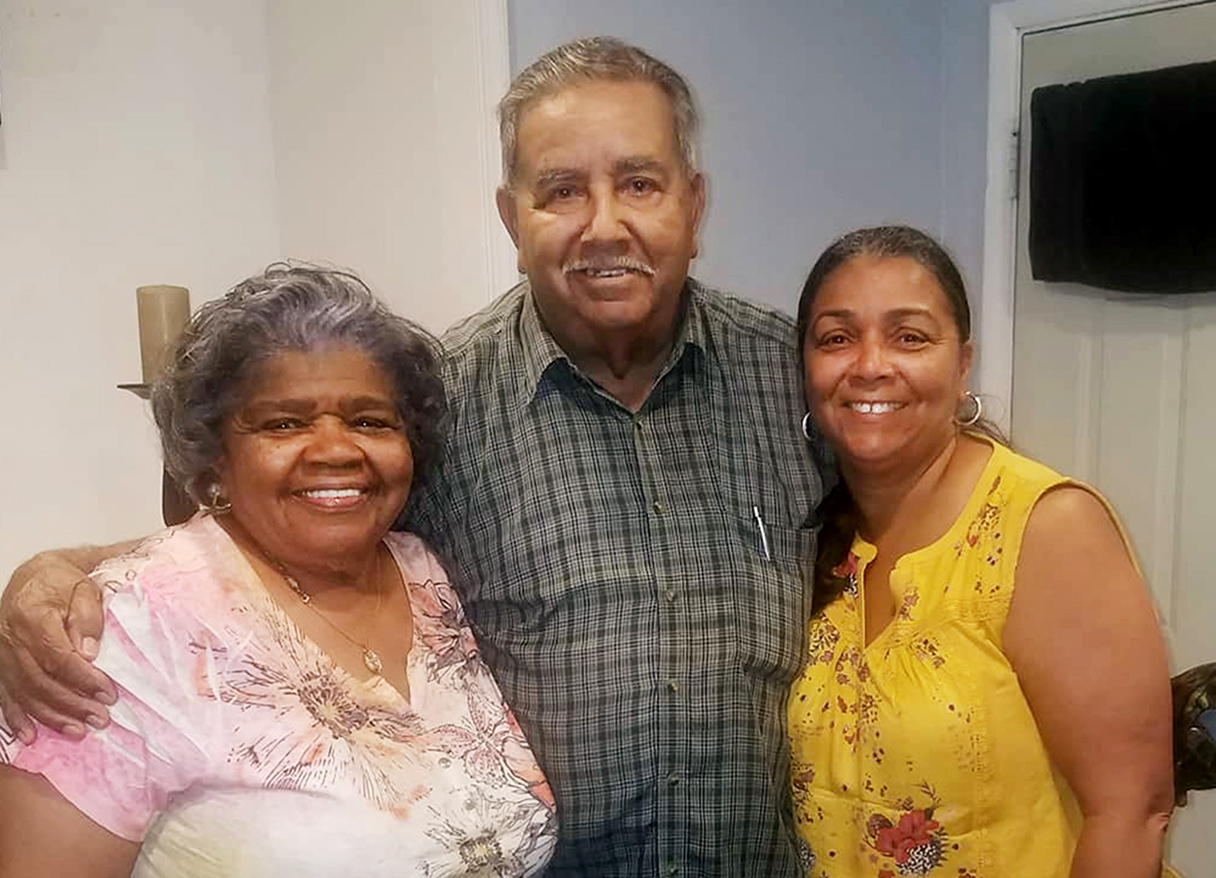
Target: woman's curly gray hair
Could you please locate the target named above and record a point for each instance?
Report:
(288, 308)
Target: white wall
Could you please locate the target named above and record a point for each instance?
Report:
(193, 142)
(819, 117)
(387, 159)
(137, 149)
(964, 99)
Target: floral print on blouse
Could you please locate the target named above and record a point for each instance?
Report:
(239, 747)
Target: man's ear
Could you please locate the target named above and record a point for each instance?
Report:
(507, 212)
(696, 183)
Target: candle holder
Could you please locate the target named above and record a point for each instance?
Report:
(142, 390)
(163, 311)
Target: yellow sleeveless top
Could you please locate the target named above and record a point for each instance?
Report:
(918, 754)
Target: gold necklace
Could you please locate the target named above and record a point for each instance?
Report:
(371, 658)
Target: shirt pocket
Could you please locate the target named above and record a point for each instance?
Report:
(772, 597)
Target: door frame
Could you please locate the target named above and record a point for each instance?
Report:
(493, 65)
(1007, 23)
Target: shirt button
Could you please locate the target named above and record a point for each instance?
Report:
(672, 686)
(673, 779)
(672, 869)
(670, 594)
(657, 507)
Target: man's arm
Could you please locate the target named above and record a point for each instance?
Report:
(50, 622)
(41, 834)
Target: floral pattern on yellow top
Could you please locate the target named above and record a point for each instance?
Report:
(917, 755)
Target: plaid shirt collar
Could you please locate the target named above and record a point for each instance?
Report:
(541, 350)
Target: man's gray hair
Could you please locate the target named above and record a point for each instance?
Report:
(288, 308)
(593, 59)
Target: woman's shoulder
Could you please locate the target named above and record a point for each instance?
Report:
(415, 557)
(426, 579)
(190, 566)
(1050, 497)
(1014, 481)
(1025, 470)
(1070, 502)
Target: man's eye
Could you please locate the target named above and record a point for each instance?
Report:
(642, 186)
(369, 423)
(912, 339)
(282, 424)
(833, 339)
(561, 193)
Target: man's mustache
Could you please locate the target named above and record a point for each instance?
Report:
(616, 263)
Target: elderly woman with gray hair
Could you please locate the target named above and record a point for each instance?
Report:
(298, 691)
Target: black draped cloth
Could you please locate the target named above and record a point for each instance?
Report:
(1123, 181)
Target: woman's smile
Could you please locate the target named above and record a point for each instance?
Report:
(333, 498)
(875, 407)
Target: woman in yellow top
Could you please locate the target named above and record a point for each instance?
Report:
(986, 692)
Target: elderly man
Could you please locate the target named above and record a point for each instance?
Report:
(624, 498)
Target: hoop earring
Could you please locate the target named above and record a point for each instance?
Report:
(217, 503)
(806, 427)
(973, 419)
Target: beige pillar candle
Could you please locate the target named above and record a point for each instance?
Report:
(163, 311)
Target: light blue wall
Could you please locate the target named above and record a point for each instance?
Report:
(820, 115)
(964, 101)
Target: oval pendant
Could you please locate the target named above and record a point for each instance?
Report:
(372, 661)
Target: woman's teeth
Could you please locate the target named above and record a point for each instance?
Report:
(332, 493)
(874, 408)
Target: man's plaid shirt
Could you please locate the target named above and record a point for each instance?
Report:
(614, 569)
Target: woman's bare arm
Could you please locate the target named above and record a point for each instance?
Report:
(42, 834)
(1084, 639)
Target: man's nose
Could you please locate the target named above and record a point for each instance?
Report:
(605, 221)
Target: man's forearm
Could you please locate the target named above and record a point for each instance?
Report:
(85, 558)
(79, 560)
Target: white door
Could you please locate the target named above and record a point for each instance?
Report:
(1116, 389)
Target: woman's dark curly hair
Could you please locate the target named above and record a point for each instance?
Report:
(288, 308)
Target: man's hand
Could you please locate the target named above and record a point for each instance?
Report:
(50, 624)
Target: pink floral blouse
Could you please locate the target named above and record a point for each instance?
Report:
(239, 748)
